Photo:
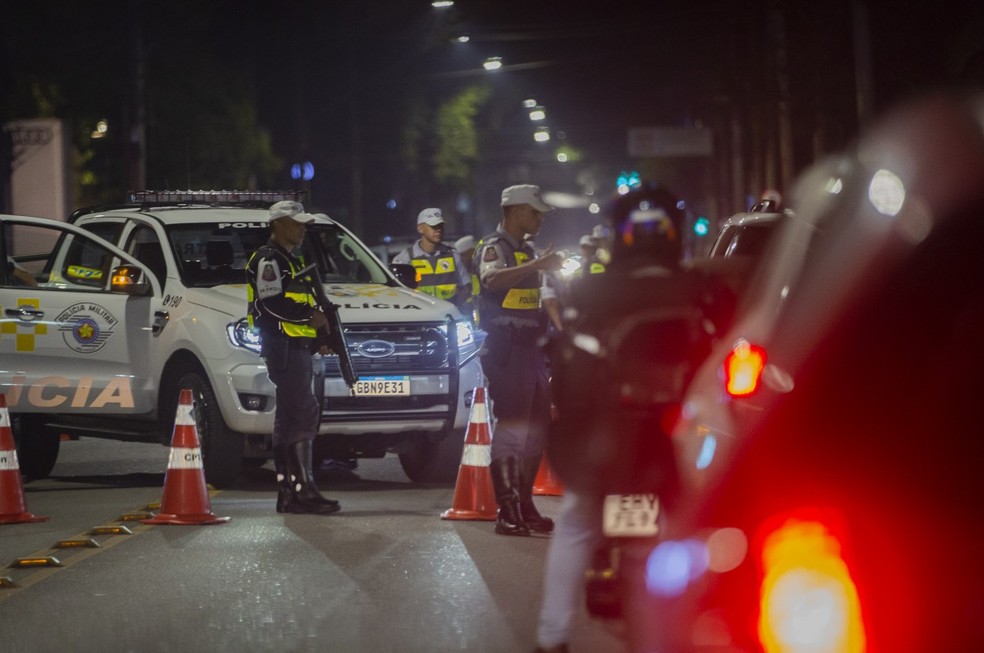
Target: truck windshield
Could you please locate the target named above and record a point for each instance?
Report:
(211, 254)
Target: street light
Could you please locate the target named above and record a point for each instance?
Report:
(541, 135)
(538, 113)
(492, 63)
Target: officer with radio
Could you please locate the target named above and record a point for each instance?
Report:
(510, 305)
(282, 308)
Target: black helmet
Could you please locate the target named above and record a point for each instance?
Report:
(647, 222)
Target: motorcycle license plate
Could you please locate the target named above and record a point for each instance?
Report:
(630, 515)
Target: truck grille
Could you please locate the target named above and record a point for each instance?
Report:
(397, 348)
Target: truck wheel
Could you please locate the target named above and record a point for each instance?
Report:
(425, 461)
(37, 447)
(222, 448)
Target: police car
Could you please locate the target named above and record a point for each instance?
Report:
(133, 303)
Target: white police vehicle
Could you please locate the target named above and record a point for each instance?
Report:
(96, 349)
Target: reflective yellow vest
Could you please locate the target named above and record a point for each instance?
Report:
(437, 274)
(297, 291)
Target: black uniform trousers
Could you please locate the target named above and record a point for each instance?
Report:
(290, 368)
(516, 369)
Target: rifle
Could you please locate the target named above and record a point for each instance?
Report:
(334, 335)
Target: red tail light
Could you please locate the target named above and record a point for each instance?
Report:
(743, 368)
(808, 602)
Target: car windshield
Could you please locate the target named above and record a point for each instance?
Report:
(745, 240)
(211, 254)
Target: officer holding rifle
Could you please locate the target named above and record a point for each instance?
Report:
(283, 308)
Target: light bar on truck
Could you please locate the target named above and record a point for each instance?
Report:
(212, 196)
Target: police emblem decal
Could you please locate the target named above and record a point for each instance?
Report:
(86, 327)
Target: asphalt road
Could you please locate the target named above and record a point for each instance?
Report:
(385, 574)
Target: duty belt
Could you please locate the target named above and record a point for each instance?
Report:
(300, 342)
(519, 336)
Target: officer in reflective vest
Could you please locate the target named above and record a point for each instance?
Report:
(590, 262)
(510, 274)
(439, 269)
(465, 246)
(282, 308)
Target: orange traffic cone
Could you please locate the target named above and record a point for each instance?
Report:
(547, 483)
(12, 507)
(474, 498)
(185, 499)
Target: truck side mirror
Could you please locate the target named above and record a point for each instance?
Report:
(130, 279)
(405, 273)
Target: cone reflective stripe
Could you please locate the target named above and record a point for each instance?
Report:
(474, 498)
(476, 455)
(547, 483)
(185, 500)
(13, 510)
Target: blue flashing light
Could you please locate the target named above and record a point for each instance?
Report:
(701, 226)
(303, 171)
(673, 565)
(628, 180)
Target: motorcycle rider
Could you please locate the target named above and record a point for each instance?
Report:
(640, 329)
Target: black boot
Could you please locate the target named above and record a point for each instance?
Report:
(537, 522)
(506, 482)
(281, 462)
(304, 495)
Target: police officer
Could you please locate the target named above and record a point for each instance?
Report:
(282, 308)
(465, 246)
(590, 261)
(509, 272)
(634, 357)
(439, 269)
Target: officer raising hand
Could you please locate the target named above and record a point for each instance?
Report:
(510, 306)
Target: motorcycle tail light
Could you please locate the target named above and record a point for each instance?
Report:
(808, 601)
(743, 368)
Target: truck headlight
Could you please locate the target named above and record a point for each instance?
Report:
(242, 335)
(466, 334)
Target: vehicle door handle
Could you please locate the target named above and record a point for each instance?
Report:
(161, 319)
(25, 313)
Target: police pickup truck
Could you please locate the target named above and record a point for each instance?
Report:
(117, 324)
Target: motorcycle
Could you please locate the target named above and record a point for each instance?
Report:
(618, 393)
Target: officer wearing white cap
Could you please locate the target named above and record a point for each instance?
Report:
(282, 308)
(440, 271)
(510, 274)
(465, 246)
(590, 262)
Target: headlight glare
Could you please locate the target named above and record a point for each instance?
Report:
(242, 335)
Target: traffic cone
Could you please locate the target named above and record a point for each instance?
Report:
(185, 500)
(547, 483)
(474, 498)
(12, 507)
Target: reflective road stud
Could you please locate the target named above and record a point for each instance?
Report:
(185, 500)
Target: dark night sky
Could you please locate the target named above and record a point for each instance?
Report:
(321, 69)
